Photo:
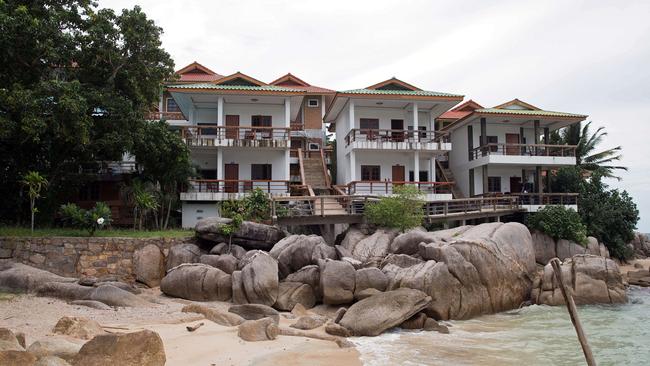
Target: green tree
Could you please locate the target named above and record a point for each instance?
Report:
(559, 222)
(165, 162)
(403, 210)
(587, 158)
(35, 184)
(76, 82)
(143, 198)
(94, 219)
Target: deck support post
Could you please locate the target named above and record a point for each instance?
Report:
(536, 132)
(538, 179)
(484, 178)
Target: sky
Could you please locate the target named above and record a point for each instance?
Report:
(588, 57)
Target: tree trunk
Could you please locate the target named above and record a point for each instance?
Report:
(169, 209)
(135, 218)
(31, 208)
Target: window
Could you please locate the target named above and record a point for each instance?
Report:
(493, 140)
(314, 146)
(172, 106)
(368, 124)
(312, 103)
(261, 172)
(422, 129)
(494, 184)
(261, 121)
(370, 172)
(422, 177)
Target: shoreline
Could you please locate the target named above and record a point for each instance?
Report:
(210, 344)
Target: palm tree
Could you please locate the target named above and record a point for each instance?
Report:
(142, 196)
(586, 143)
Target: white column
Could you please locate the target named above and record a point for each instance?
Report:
(351, 116)
(219, 164)
(220, 111)
(432, 121)
(415, 117)
(416, 166)
(287, 112)
(287, 163)
(353, 167)
(432, 170)
(161, 103)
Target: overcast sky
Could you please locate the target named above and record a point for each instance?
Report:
(590, 57)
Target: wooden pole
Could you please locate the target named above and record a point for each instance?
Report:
(573, 312)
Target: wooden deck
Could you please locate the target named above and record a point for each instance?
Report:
(344, 209)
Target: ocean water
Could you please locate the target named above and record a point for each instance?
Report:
(535, 335)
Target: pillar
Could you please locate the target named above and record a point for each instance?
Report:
(353, 166)
(351, 116)
(161, 103)
(220, 111)
(483, 141)
(287, 112)
(415, 117)
(484, 178)
(538, 179)
(546, 135)
(220, 175)
(536, 132)
(287, 164)
(416, 167)
(432, 169)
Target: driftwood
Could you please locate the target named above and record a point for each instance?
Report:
(191, 328)
(573, 312)
(341, 342)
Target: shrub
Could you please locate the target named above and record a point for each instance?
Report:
(96, 218)
(559, 222)
(403, 210)
(254, 207)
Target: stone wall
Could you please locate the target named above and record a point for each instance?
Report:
(82, 257)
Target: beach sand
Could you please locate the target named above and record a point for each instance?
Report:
(211, 344)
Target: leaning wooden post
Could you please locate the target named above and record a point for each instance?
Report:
(573, 312)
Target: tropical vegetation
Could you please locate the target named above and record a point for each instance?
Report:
(559, 222)
(91, 220)
(402, 210)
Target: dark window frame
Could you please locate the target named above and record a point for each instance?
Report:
(494, 184)
(370, 173)
(261, 171)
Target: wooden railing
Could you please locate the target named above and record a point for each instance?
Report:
(195, 135)
(547, 198)
(297, 126)
(109, 167)
(466, 206)
(326, 173)
(384, 187)
(156, 116)
(302, 166)
(238, 186)
(381, 135)
(523, 150)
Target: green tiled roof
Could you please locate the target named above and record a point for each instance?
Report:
(528, 112)
(234, 87)
(424, 93)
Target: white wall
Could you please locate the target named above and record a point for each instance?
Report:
(192, 212)
(245, 111)
(207, 160)
(386, 114)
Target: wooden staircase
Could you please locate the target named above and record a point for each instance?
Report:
(448, 176)
(314, 171)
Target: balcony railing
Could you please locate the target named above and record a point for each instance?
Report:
(547, 198)
(109, 167)
(205, 135)
(523, 150)
(274, 187)
(386, 187)
(380, 135)
(156, 116)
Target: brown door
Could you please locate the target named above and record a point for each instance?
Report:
(398, 173)
(397, 127)
(231, 176)
(515, 184)
(512, 138)
(232, 122)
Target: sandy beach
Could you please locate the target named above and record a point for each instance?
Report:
(211, 344)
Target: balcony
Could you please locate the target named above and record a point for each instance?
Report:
(235, 136)
(524, 154)
(167, 116)
(221, 190)
(430, 190)
(397, 139)
(533, 202)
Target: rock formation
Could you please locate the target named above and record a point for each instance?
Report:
(250, 235)
(198, 282)
(546, 248)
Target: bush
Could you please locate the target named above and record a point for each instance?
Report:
(254, 207)
(96, 218)
(559, 222)
(403, 210)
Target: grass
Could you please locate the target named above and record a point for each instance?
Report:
(127, 233)
(6, 296)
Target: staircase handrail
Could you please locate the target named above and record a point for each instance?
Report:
(302, 167)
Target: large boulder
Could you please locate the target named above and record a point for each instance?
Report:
(309, 275)
(297, 251)
(370, 278)
(223, 248)
(264, 329)
(18, 277)
(17, 358)
(250, 235)
(369, 248)
(400, 260)
(115, 296)
(225, 262)
(641, 245)
(255, 312)
(408, 242)
(183, 253)
(292, 293)
(590, 279)
(337, 281)
(374, 315)
(78, 327)
(54, 346)
(142, 348)
(149, 265)
(546, 248)
(198, 282)
(260, 279)
(9, 341)
(478, 270)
